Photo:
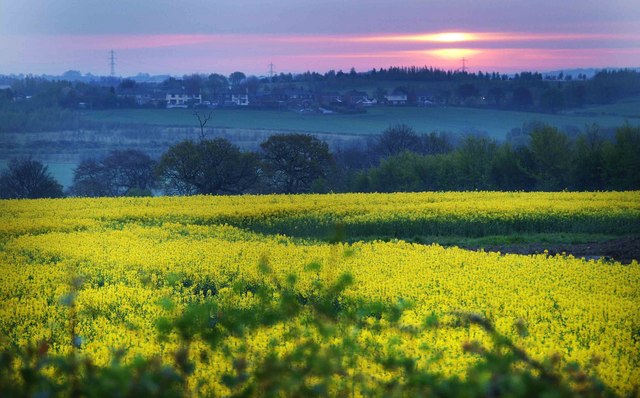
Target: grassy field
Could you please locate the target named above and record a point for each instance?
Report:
(217, 289)
(496, 123)
(628, 108)
(250, 127)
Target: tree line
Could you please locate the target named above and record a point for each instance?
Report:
(399, 159)
(37, 104)
(548, 160)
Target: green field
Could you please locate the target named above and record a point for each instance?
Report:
(628, 108)
(139, 127)
(451, 119)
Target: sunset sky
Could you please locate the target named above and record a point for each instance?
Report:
(204, 36)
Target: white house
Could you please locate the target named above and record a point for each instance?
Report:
(182, 100)
(396, 98)
(240, 99)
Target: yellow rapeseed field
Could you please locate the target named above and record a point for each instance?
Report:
(132, 254)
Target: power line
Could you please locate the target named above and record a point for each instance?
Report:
(270, 71)
(464, 65)
(112, 62)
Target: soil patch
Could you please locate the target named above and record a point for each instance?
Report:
(624, 249)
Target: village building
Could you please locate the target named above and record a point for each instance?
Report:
(182, 100)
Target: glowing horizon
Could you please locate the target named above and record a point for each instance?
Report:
(48, 36)
(483, 51)
(454, 37)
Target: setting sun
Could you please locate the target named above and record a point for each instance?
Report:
(445, 37)
(452, 53)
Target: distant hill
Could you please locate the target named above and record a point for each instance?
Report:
(588, 72)
(76, 76)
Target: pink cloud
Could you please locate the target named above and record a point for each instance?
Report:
(456, 37)
(188, 53)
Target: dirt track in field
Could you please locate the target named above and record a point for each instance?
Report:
(623, 249)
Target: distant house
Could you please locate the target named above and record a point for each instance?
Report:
(425, 98)
(397, 97)
(240, 99)
(182, 100)
(329, 98)
(358, 98)
(298, 98)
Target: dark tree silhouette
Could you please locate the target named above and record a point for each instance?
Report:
(90, 179)
(552, 155)
(128, 172)
(552, 100)
(622, 159)
(588, 162)
(466, 91)
(236, 78)
(28, 179)
(397, 139)
(522, 97)
(179, 167)
(207, 167)
(294, 161)
(435, 143)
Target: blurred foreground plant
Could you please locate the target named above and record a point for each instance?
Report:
(324, 356)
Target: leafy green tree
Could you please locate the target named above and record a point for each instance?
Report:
(552, 100)
(179, 168)
(292, 162)
(236, 78)
(171, 84)
(496, 95)
(120, 173)
(215, 84)
(28, 179)
(126, 84)
(224, 169)
(90, 179)
(472, 163)
(509, 171)
(409, 172)
(435, 143)
(130, 170)
(251, 84)
(466, 91)
(576, 95)
(588, 163)
(522, 98)
(622, 159)
(552, 155)
(207, 167)
(193, 84)
(395, 140)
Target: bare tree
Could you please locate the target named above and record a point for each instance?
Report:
(202, 120)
